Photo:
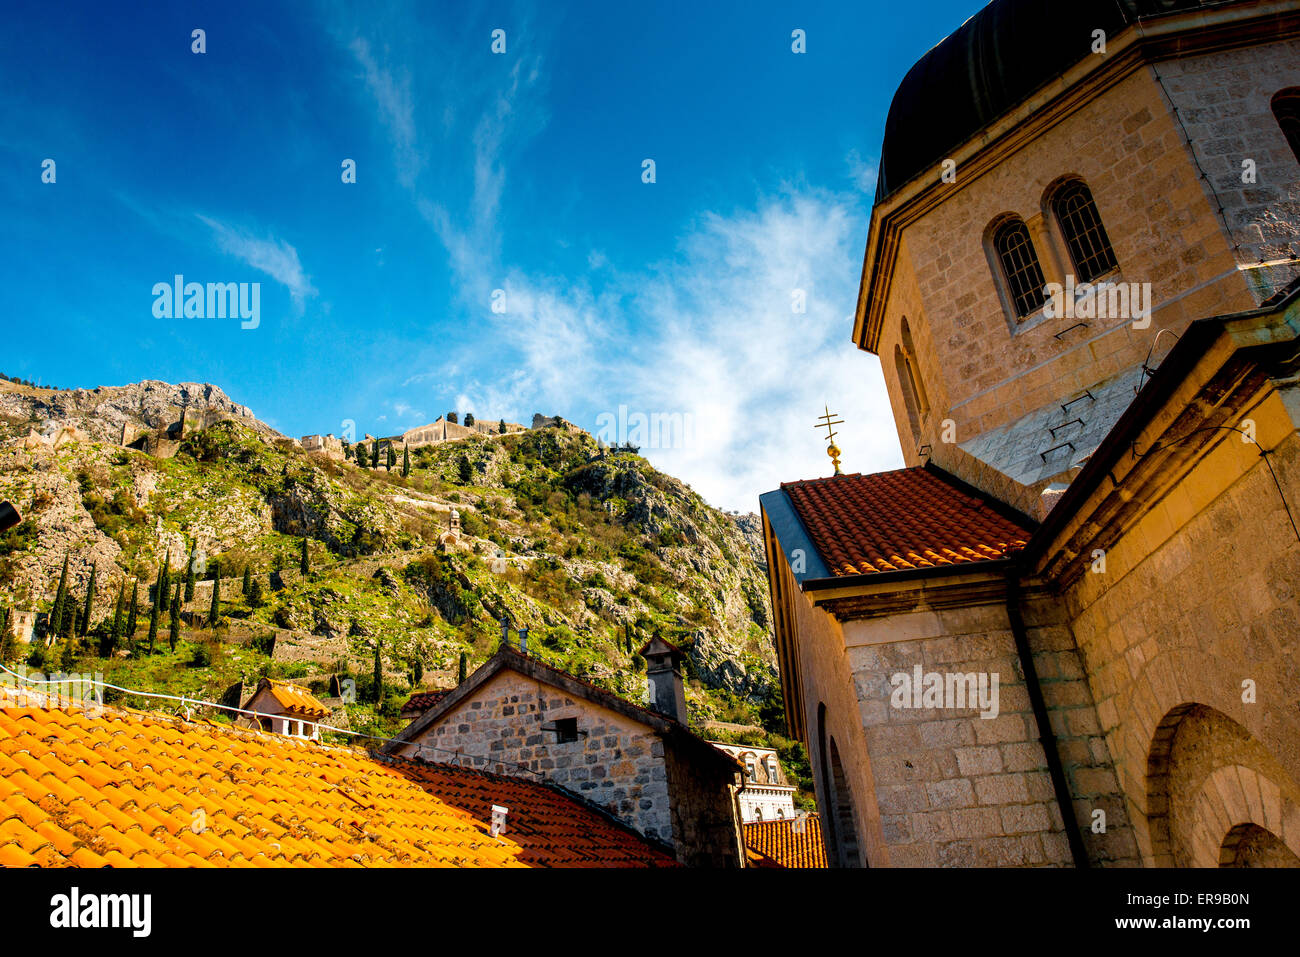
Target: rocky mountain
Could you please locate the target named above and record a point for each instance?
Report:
(591, 549)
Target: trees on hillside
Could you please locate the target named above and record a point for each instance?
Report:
(90, 603)
(214, 612)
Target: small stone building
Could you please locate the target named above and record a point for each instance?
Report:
(285, 709)
(766, 795)
(515, 715)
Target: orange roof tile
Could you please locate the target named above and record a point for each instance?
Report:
(777, 844)
(908, 518)
(293, 697)
(130, 795)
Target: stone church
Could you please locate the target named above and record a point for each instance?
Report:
(1068, 632)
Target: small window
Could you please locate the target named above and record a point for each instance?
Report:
(780, 814)
(758, 814)
(566, 730)
(1286, 107)
(1020, 267)
(1085, 236)
(750, 769)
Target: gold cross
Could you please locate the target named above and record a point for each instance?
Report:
(829, 421)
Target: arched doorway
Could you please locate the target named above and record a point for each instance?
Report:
(839, 820)
(1216, 796)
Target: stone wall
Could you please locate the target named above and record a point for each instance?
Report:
(955, 788)
(615, 762)
(1198, 597)
(1224, 101)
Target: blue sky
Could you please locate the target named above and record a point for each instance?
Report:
(519, 172)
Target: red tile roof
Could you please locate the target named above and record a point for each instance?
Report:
(422, 701)
(908, 518)
(124, 788)
(778, 844)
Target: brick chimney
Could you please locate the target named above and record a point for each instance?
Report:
(664, 675)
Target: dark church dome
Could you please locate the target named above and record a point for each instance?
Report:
(991, 64)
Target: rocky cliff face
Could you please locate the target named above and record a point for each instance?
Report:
(101, 412)
(589, 548)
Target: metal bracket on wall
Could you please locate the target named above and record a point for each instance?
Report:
(1063, 425)
(1054, 448)
(1069, 329)
(1065, 406)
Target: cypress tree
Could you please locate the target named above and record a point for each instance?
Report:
(501, 426)
(255, 595)
(406, 461)
(215, 611)
(108, 643)
(153, 626)
(374, 454)
(68, 661)
(189, 577)
(60, 598)
(90, 603)
(464, 666)
(379, 677)
(162, 594)
(174, 634)
(362, 460)
(248, 582)
(72, 612)
(390, 457)
(304, 562)
(6, 639)
(132, 618)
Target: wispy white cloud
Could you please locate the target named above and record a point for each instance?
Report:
(863, 172)
(404, 411)
(391, 90)
(716, 336)
(269, 255)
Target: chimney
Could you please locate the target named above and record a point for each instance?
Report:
(664, 676)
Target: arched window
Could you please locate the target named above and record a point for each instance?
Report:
(1085, 236)
(909, 381)
(1020, 266)
(1286, 107)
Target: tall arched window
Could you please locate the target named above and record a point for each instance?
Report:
(909, 380)
(1085, 236)
(1286, 107)
(1020, 266)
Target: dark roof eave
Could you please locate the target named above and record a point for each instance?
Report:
(993, 566)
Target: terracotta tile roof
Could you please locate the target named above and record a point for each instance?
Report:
(776, 844)
(908, 518)
(293, 697)
(422, 701)
(124, 788)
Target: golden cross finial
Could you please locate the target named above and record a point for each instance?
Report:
(828, 421)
